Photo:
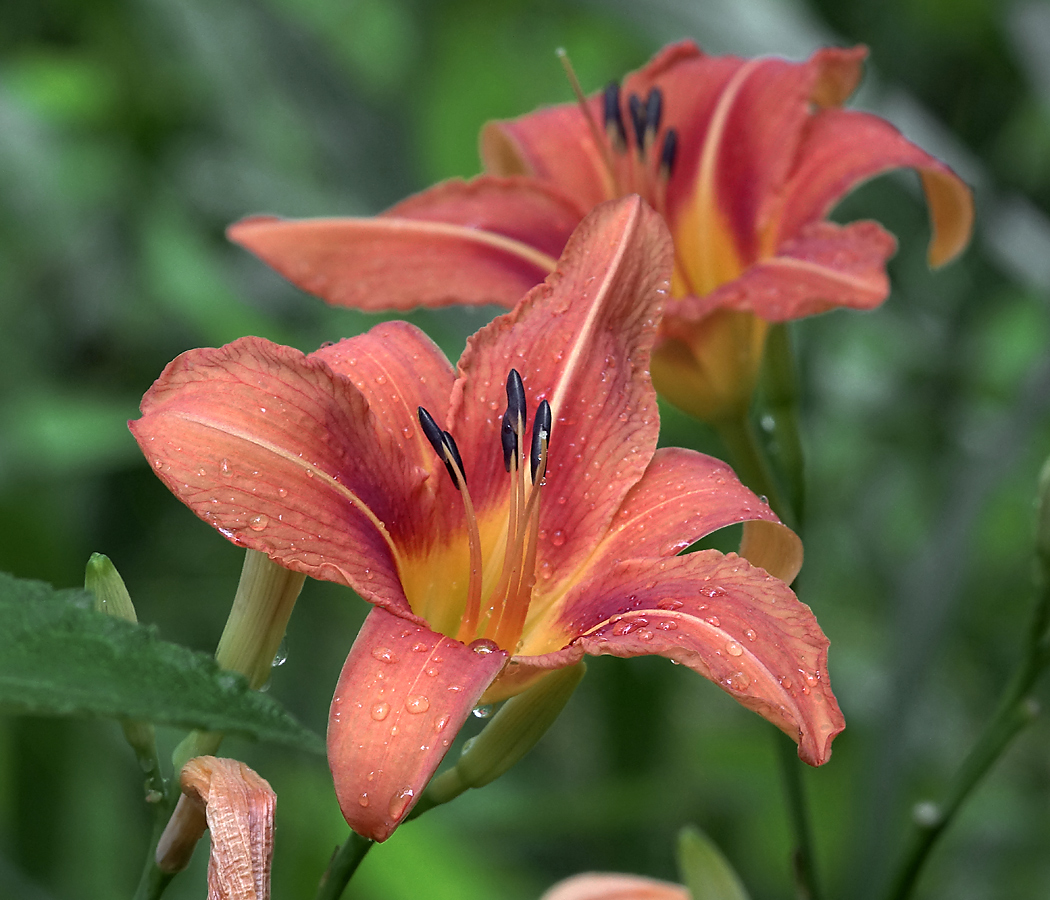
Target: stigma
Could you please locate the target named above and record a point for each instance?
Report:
(499, 614)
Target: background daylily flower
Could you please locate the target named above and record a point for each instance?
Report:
(744, 158)
(504, 557)
(613, 886)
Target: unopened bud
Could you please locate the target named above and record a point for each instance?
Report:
(103, 580)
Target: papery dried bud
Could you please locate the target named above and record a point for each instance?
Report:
(239, 808)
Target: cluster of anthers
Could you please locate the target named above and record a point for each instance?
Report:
(500, 615)
(635, 174)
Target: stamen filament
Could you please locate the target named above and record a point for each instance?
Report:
(445, 447)
(596, 134)
(516, 609)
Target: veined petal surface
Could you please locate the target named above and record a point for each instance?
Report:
(842, 148)
(393, 263)
(402, 696)
(720, 616)
(284, 456)
(824, 267)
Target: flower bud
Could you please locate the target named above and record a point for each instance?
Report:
(103, 580)
(709, 367)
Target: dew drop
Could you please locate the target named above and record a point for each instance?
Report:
(384, 654)
(224, 466)
(432, 671)
(484, 647)
(380, 711)
(558, 538)
(713, 620)
(420, 647)
(482, 712)
(280, 657)
(750, 634)
(442, 723)
(667, 625)
(734, 649)
(363, 800)
(738, 681)
(399, 802)
(417, 704)
(282, 492)
(258, 523)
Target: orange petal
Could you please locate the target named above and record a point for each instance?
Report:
(582, 341)
(416, 259)
(397, 368)
(824, 267)
(609, 886)
(684, 496)
(843, 148)
(402, 696)
(734, 624)
(554, 146)
(838, 72)
(283, 456)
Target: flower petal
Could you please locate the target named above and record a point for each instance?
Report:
(283, 456)
(521, 209)
(843, 148)
(394, 263)
(613, 886)
(402, 696)
(398, 369)
(734, 624)
(685, 495)
(582, 341)
(825, 267)
(553, 146)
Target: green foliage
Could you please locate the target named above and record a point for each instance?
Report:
(705, 871)
(63, 658)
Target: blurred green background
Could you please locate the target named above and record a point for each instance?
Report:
(133, 131)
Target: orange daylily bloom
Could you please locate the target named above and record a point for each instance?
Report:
(493, 557)
(744, 158)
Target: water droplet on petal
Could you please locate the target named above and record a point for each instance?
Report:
(400, 801)
(734, 649)
(282, 492)
(384, 654)
(713, 620)
(420, 647)
(558, 538)
(750, 634)
(380, 711)
(442, 723)
(258, 523)
(482, 712)
(483, 647)
(363, 800)
(417, 704)
(224, 466)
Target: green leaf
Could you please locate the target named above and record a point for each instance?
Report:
(704, 870)
(60, 657)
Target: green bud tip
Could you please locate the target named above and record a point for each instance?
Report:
(103, 580)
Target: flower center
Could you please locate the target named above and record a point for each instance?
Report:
(631, 169)
(500, 615)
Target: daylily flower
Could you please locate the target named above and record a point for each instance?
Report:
(493, 555)
(744, 158)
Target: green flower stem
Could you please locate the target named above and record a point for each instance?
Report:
(1016, 709)
(154, 881)
(751, 465)
(802, 857)
(342, 867)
